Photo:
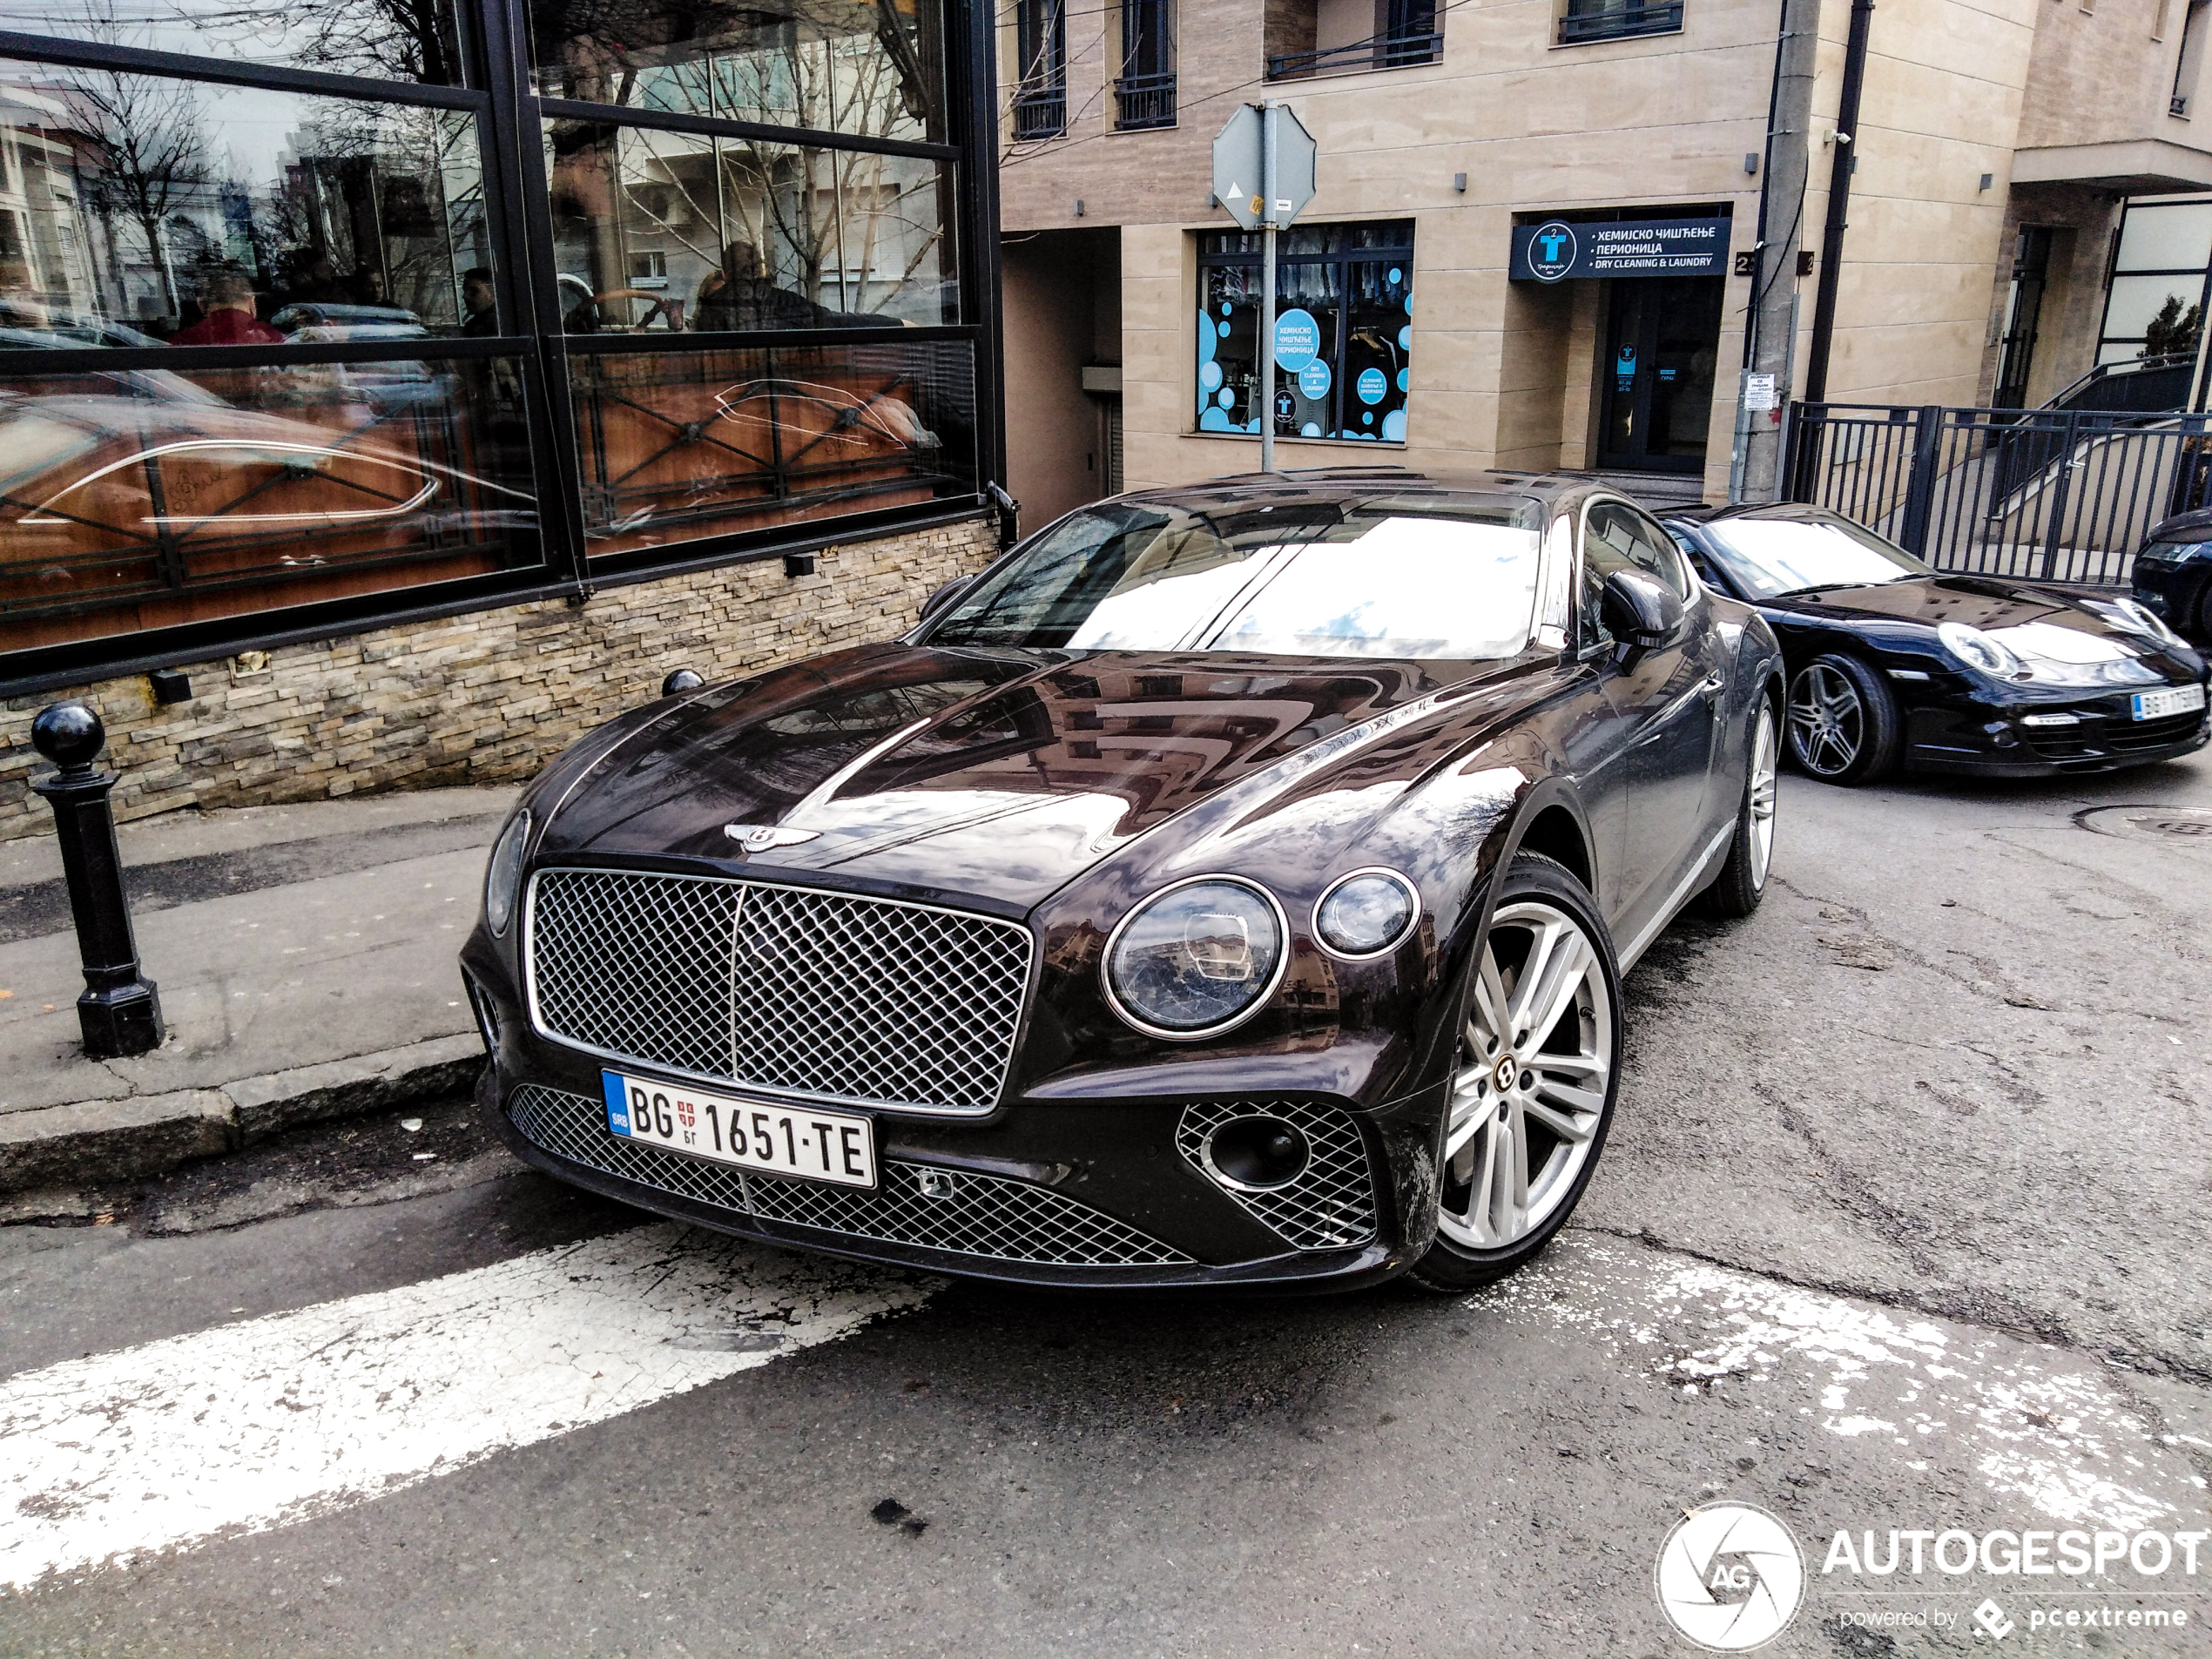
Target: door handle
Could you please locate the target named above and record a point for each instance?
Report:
(1711, 688)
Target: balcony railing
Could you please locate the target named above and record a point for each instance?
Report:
(1378, 52)
(1040, 112)
(1144, 101)
(1608, 21)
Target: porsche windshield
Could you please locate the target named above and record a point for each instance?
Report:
(1383, 578)
(1767, 557)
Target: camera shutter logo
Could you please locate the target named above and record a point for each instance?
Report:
(1730, 1577)
(1551, 251)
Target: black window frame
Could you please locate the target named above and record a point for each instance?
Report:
(511, 120)
(1215, 252)
(1583, 21)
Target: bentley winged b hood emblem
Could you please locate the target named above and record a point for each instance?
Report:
(758, 838)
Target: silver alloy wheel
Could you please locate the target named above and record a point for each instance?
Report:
(1535, 1067)
(1763, 791)
(1827, 721)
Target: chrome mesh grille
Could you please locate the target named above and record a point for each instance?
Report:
(826, 994)
(980, 1215)
(1330, 1205)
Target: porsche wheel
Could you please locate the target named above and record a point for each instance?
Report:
(1533, 1084)
(1843, 720)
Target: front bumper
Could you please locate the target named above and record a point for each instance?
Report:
(1077, 1195)
(1995, 741)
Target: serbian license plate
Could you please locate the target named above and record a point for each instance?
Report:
(2174, 699)
(812, 1144)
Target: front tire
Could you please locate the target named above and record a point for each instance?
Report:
(1843, 722)
(1533, 1084)
(1742, 883)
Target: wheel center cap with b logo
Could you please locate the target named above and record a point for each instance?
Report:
(1504, 1074)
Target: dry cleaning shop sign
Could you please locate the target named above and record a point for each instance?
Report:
(1556, 250)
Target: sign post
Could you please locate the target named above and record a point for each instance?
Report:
(1263, 174)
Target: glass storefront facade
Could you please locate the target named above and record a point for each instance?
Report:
(1343, 343)
(322, 313)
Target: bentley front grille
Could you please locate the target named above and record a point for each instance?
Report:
(1331, 1203)
(954, 1211)
(828, 995)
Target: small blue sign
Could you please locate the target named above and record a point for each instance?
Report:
(618, 1103)
(1373, 386)
(1297, 340)
(1314, 379)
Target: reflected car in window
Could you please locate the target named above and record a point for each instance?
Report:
(1895, 663)
(1229, 886)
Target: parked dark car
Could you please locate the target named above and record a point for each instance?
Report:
(1893, 663)
(1230, 887)
(2172, 576)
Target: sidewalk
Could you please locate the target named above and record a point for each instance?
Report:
(305, 960)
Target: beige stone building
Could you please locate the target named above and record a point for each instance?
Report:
(1996, 147)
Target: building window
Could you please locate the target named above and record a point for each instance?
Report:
(1041, 88)
(279, 370)
(2189, 63)
(2160, 270)
(1343, 333)
(1144, 90)
(1586, 20)
(1310, 38)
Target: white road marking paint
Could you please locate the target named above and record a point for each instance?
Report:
(257, 1425)
(2036, 1424)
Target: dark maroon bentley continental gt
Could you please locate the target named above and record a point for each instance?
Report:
(1229, 886)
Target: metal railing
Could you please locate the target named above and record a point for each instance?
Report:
(1605, 22)
(1040, 112)
(1144, 101)
(2050, 494)
(1377, 51)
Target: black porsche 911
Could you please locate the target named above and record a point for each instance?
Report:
(1893, 663)
(1229, 886)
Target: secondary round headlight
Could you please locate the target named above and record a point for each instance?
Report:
(1196, 958)
(2140, 618)
(1977, 649)
(1367, 912)
(503, 875)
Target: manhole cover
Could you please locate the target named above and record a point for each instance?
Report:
(2150, 823)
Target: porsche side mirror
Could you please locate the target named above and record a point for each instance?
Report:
(1640, 610)
(945, 596)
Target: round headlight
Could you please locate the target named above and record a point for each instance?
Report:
(1196, 958)
(2140, 618)
(1977, 649)
(1367, 912)
(503, 875)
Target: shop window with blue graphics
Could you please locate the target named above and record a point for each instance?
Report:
(1344, 332)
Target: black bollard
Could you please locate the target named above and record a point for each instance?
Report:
(119, 1013)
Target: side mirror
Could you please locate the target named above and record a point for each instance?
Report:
(945, 596)
(1640, 610)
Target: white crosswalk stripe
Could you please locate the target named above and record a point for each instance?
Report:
(256, 1424)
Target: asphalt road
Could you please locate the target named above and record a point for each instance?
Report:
(1899, 1228)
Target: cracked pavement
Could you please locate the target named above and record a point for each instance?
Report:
(1898, 1227)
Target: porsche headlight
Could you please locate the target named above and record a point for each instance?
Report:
(1367, 912)
(2136, 619)
(1196, 958)
(503, 875)
(1977, 649)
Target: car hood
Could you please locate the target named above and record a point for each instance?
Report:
(1987, 603)
(997, 773)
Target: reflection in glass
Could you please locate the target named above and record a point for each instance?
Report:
(871, 68)
(677, 445)
(135, 209)
(133, 500)
(399, 40)
(656, 231)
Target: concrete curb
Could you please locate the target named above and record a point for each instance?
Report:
(141, 1134)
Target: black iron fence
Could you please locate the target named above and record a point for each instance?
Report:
(2052, 495)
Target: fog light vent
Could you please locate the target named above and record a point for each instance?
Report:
(1301, 1170)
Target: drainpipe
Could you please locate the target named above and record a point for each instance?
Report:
(1769, 332)
(1831, 235)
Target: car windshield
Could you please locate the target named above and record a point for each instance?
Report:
(1766, 557)
(1403, 578)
